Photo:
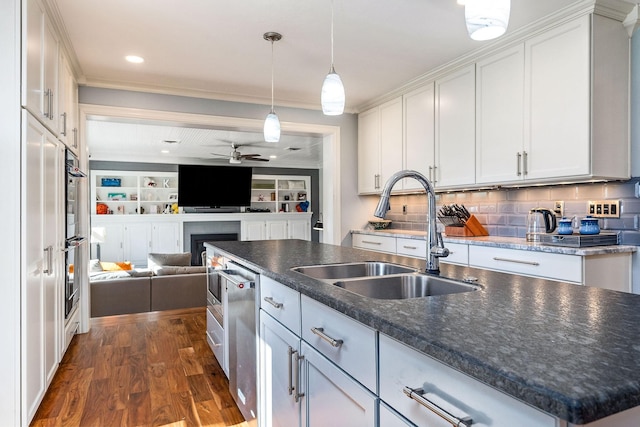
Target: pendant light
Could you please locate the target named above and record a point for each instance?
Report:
(332, 97)
(486, 19)
(272, 123)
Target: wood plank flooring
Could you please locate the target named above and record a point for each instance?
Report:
(148, 369)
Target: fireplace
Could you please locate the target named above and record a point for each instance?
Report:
(197, 244)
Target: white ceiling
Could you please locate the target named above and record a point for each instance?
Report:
(215, 49)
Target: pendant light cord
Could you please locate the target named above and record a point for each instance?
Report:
(272, 75)
(332, 36)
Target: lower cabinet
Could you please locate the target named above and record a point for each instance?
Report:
(426, 392)
(276, 229)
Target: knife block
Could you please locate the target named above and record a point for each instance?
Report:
(471, 228)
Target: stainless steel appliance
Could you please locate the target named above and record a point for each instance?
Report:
(73, 239)
(239, 285)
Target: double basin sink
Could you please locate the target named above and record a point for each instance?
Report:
(384, 280)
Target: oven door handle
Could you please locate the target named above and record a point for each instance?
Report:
(240, 284)
(74, 242)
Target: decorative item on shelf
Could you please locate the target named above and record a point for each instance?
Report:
(302, 196)
(173, 196)
(167, 208)
(133, 197)
(302, 206)
(286, 197)
(589, 225)
(272, 123)
(379, 224)
(273, 197)
(110, 182)
(116, 196)
(175, 208)
(102, 209)
(148, 182)
(165, 183)
(332, 95)
(141, 210)
(565, 226)
(260, 198)
(120, 210)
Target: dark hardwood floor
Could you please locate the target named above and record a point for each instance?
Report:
(149, 369)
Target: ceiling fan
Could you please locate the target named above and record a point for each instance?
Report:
(236, 157)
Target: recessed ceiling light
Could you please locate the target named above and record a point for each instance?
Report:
(134, 59)
(164, 151)
(273, 156)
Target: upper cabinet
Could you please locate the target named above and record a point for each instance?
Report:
(380, 150)
(67, 106)
(455, 129)
(553, 108)
(40, 65)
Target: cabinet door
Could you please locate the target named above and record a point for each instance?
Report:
(112, 248)
(32, 91)
(332, 397)
(455, 129)
(253, 230)
(50, 75)
(500, 117)
(557, 101)
(419, 134)
(278, 407)
(137, 242)
(276, 230)
(165, 237)
(67, 105)
(369, 151)
(390, 140)
(299, 229)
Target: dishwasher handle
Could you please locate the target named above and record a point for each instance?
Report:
(236, 279)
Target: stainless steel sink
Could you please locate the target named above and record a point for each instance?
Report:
(349, 270)
(405, 286)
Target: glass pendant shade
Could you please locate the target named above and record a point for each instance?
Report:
(487, 19)
(272, 128)
(332, 97)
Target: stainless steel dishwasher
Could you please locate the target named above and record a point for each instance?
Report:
(240, 284)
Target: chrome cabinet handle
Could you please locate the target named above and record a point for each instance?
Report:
(320, 332)
(75, 137)
(519, 163)
(417, 395)
(272, 302)
(525, 160)
(516, 261)
(377, 181)
(371, 243)
(64, 124)
(412, 247)
(294, 383)
(49, 260)
(430, 173)
(50, 104)
(435, 174)
(46, 104)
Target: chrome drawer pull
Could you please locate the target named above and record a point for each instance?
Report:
(371, 243)
(517, 261)
(290, 353)
(412, 247)
(320, 332)
(417, 395)
(272, 302)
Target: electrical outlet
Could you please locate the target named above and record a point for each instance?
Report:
(604, 208)
(404, 209)
(558, 208)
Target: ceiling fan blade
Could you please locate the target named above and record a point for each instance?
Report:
(250, 155)
(219, 154)
(255, 159)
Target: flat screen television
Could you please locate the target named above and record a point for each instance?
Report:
(214, 186)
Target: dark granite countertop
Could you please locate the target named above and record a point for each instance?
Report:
(572, 351)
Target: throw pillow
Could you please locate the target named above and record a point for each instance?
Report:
(179, 259)
(94, 266)
(172, 270)
(115, 266)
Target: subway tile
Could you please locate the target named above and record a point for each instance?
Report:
(562, 192)
(538, 194)
(478, 196)
(517, 194)
(626, 223)
(630, 206)
(506, 231)
(483, 219)
(618, 190)
(507, 207)
(517, 220)
(575, 208)
(525, 207)
(488, 208)
(589, 191)
(630, 238)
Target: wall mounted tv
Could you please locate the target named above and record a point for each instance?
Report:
(202, 186)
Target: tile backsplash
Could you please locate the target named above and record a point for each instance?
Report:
(503, 212)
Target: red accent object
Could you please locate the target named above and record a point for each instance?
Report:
(241, 285)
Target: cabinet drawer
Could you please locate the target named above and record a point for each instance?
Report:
(281, 302)
(541, 264)
(354, 349)
(411, 247)
(458, 253)
(375, 243)
(459, 394)
(215, 338)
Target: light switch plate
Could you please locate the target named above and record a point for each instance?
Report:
(558, 208)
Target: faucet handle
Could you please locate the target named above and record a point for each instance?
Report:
(439, 251)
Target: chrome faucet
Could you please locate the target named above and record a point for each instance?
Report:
(435, 246)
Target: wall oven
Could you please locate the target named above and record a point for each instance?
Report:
(73, 238)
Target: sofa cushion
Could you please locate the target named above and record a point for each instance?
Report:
(94, 266)
(179, 259)
(172, 269)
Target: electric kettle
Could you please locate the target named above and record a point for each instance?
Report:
(539, 221)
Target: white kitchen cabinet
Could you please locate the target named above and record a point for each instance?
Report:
(165, 237)
(40, 65)
(281, 303)
(68, 106)
(276, 229)
(434, 382)
(576, 101)
(419, 134)
(374, 243)
(416, 248)
(380, 145)
(455, 129)
(332, 397)
(500, 117)
(137, 243)
(253, 230)
(458, 253)
(44, 273)
(299, 229)
(390, 418)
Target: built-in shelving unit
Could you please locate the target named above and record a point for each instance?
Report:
(281, 193)
(133, 193)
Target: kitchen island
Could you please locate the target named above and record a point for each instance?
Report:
(571, 351)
